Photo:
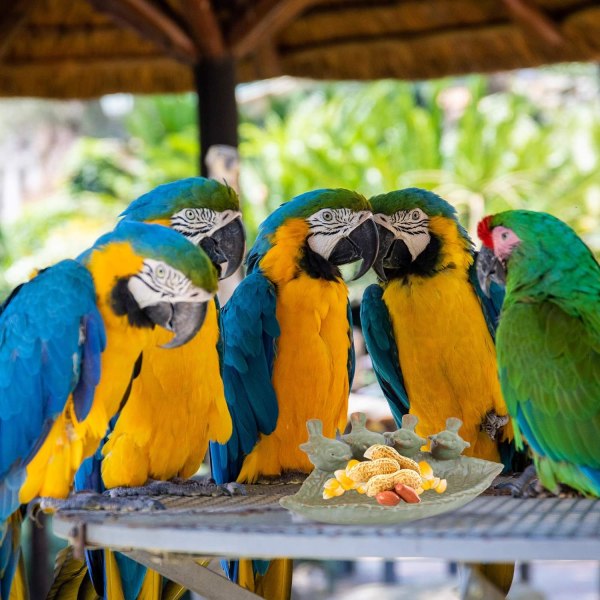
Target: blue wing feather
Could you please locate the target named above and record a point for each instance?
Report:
(51, 340)
(249, 331)
(490, 305)
(41, 362)
(351, 350)
(377, 329)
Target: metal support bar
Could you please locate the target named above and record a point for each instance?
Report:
(193, 576)
(474, 586)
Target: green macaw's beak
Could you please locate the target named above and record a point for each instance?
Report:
(393, 255)
(182, 318)
(489, 268)
(226, 247)
(362, 243)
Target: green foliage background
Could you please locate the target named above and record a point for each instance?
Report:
(484, 144)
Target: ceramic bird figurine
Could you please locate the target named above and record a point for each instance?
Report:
(447, 444)
(360, 438)
(405, 440)
(325, 454)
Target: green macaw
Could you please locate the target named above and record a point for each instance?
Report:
(548, 342)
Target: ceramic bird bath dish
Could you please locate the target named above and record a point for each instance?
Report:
(395, 481)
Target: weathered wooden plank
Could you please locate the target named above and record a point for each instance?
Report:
(188, 573)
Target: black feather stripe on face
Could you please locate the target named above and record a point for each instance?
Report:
(315, 266)
(123, 303)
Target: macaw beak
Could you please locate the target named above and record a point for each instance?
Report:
(489, 268)
(226, 247)
(362, 242)
(393, 254)
(182, 318)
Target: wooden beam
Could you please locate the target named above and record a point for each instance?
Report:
(266, 61)
(262, 21)
(205, 28)
(534, 18)
(187, 572)
(12, 18)
(152, 24)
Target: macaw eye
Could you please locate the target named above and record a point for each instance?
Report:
(415, 215)
(190, 214)
(327, 216)
(160, 272)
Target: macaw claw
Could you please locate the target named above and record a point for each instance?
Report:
(179, 487)
(524, 486)
(89, 501)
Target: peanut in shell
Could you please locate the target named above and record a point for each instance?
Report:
(366, 470)
(380, 451)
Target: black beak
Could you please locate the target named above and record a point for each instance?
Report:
(226, 247)
(182, 318)
(393, 255)
(362, 243)
(489, 268)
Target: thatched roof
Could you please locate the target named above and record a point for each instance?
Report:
(85, 48)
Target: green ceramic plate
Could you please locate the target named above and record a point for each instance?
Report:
(467, 478)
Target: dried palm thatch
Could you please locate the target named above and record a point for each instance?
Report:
(85, 48)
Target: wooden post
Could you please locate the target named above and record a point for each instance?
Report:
(217, 108)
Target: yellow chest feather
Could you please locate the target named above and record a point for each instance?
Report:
(310, 373)
(447, 356)
(176, 406)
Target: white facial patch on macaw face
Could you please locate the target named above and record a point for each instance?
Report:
(198, 223)
(159, 282)
(504, 240)
(329, 225)
(410, 226)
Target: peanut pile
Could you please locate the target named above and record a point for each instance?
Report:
(387, 476)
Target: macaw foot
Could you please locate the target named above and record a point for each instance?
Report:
(492, 423)
(527, 485)
(285, 478)
(179, 487)
(89, 501)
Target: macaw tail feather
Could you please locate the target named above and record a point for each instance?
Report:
(12, 573)
(552, 473)
(19, 590)
(71, 580)
(124, 578)
(274, 584)
(498, 574)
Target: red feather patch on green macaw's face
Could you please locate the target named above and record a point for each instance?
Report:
(500, 239)
(484, 231)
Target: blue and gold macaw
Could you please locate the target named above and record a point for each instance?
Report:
(179, 391)
(288, 351)
(177, 402)
(69, 339)
(430, 329)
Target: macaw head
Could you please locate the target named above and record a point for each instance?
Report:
(317, 232)
(419, 234)
(528, 247)
(152, 275)
(204, 211)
